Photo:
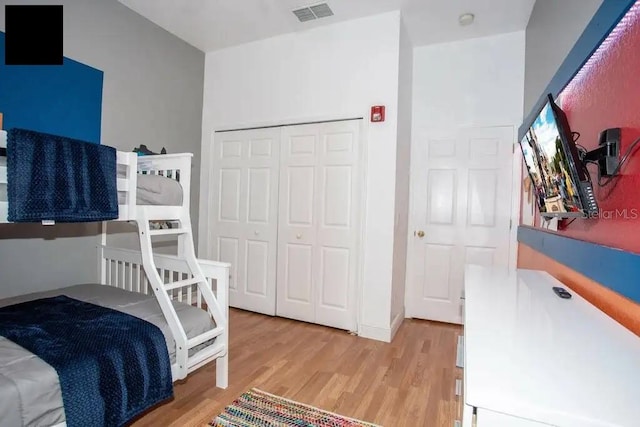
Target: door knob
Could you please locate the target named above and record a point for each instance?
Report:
(256, 232)
(419, 233)
(298, 236)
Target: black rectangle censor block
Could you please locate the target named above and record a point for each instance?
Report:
(33, 35)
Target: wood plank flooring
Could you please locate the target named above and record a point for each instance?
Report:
(409, 382)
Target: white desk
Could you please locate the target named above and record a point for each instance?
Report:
(545, 360)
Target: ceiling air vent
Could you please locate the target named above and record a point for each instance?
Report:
(310, 13)
(321, 10)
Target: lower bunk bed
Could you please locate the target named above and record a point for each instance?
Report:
(30, 387)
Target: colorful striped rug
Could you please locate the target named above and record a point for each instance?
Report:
(256, 408)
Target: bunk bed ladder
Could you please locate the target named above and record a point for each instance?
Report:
(184, 363)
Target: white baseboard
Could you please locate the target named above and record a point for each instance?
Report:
(380, 333)
(374, 333)
(396, 323)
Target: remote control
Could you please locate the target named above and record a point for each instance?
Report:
(561, 292)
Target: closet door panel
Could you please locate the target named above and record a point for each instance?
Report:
(259, 185)
(298, 277)
(318, 217)
(334, 269)
(245, 206)
(227, 249)
(229, 190)
(338, 225)
(300, 182)
(257, 267)
(297, 223)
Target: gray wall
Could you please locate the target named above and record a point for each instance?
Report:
(153, 86)
(554, 27)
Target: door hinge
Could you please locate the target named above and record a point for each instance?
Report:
(510, 224)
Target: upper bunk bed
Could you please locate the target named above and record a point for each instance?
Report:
(156, 187)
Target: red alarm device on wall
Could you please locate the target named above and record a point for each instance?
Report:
(377, 113)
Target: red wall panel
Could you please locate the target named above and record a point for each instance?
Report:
(605, 94)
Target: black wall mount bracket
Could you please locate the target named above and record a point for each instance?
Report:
(607, 155)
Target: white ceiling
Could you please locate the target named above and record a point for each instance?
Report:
(216, 24)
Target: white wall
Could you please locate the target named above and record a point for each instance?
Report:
(405, 94)
(335, 71)
(477, 82)
(152, 94)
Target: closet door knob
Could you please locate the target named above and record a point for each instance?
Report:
(298, 236)
(256, 232)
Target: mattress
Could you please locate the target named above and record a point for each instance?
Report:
(29, 387)
(158, 190)
(151, 190)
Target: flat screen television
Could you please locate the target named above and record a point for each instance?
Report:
(561, 187)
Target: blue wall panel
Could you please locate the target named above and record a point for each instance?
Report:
(613, 268)
(63, 100)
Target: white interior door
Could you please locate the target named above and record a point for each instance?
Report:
(461, 194)
(319, 223)
(245, 214)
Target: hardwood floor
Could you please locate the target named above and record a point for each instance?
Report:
(409, 382)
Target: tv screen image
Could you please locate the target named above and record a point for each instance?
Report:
(551, 168)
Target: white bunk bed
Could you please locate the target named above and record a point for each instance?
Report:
(181, 278)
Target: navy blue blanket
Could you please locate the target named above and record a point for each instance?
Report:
(62, 179)
(112, 366)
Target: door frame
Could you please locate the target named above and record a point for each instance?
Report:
(516, 195)
(206, 192)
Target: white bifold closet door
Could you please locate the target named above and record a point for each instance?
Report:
(244, 220)
(285, 214)
(318, 223)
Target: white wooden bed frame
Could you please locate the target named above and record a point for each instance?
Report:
(182, 277)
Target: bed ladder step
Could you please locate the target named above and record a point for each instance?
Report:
(168, 231)
(206, 354)
(161, 289)
(181, 283)
(209, 335)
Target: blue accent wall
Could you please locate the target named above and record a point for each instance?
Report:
(614, 268)
(63, 100)
(604, 20)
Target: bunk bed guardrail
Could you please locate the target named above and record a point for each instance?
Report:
(123, 268)
(174, 166)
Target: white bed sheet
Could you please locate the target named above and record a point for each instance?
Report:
(29, 388)
(158, 190)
